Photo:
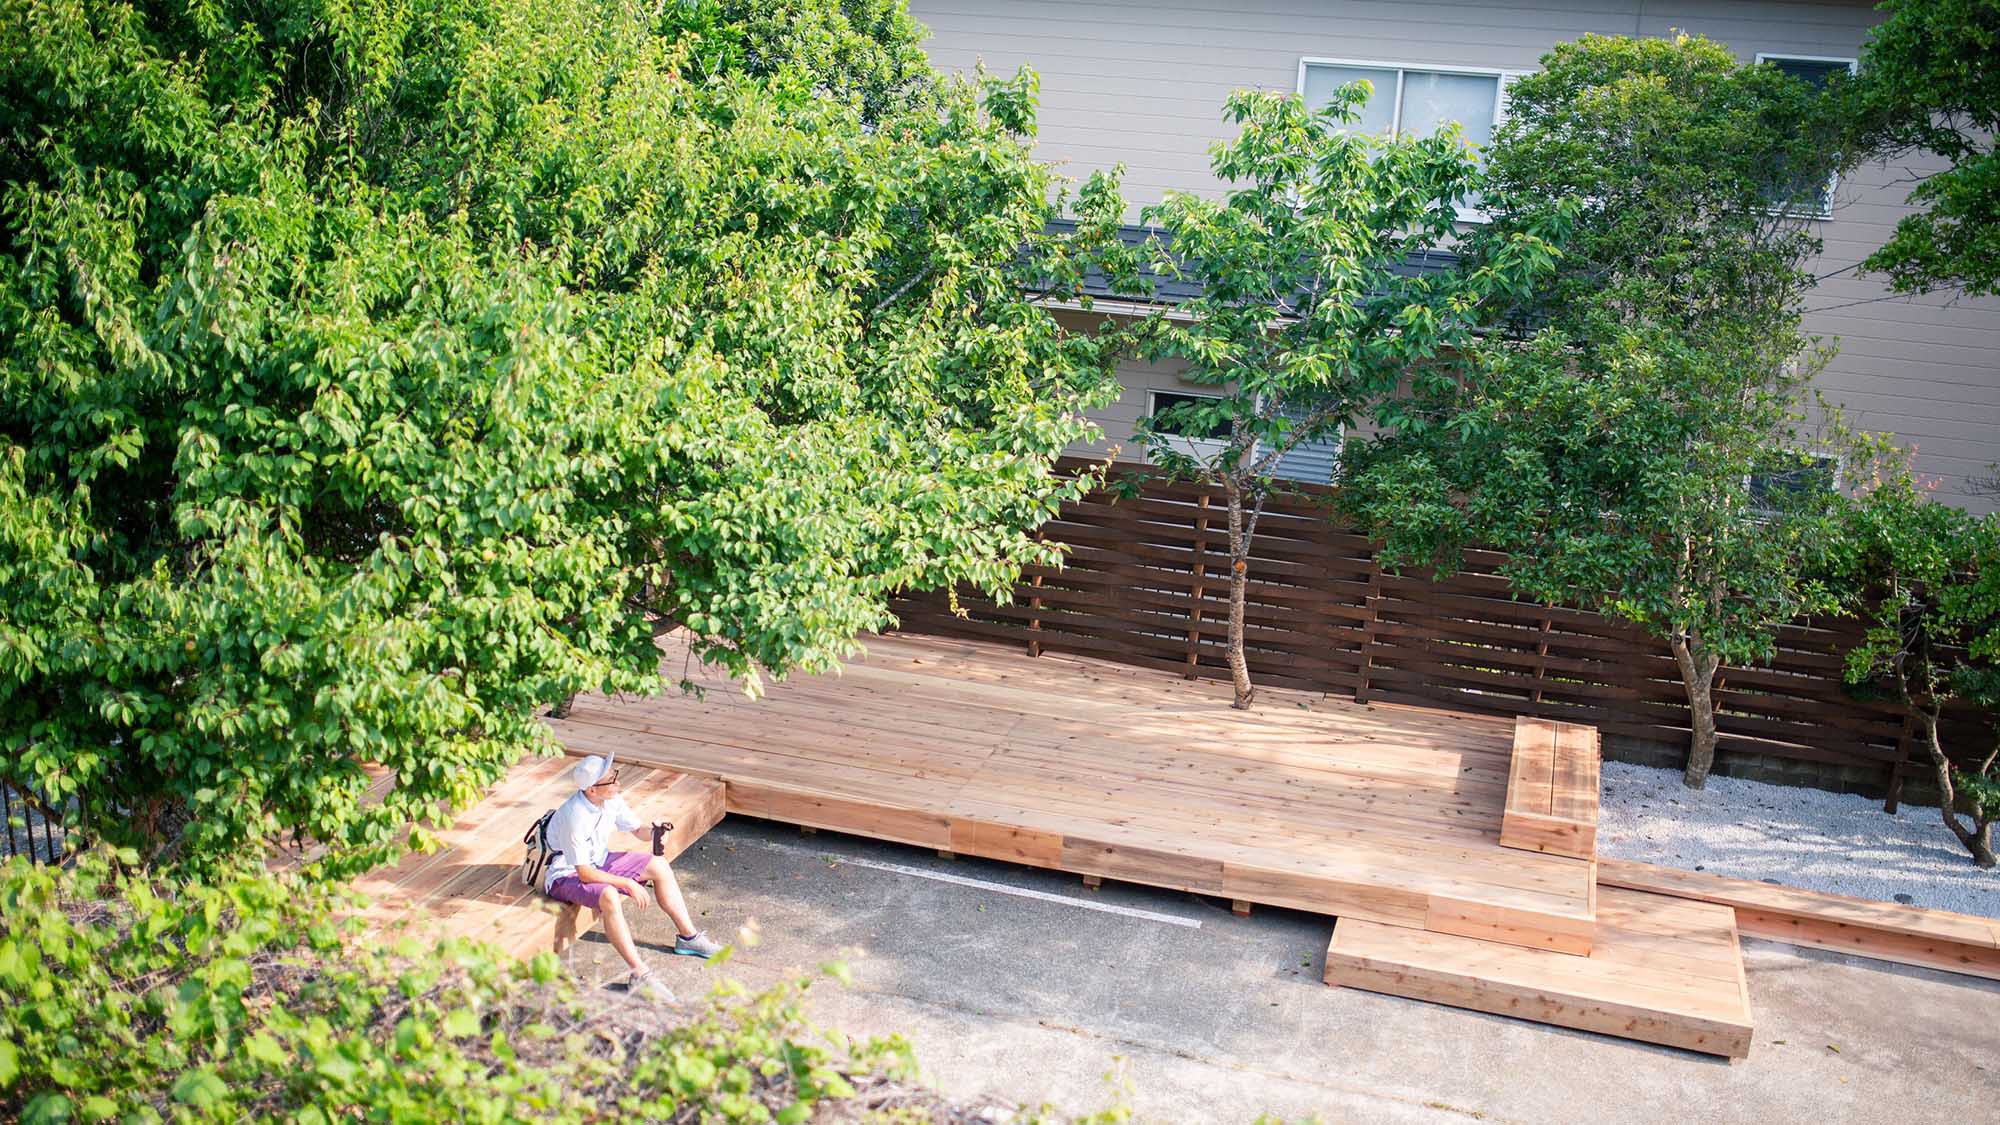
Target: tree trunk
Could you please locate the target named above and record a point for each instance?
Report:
(1981, 846)
(1698, 666)
(1978, 839)
(1239, 580)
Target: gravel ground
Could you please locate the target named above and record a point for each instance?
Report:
(1802, 838)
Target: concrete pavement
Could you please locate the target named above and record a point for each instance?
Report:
(1021, 984)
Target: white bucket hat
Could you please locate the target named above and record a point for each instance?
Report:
(587, 772)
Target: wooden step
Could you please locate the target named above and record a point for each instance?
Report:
(1552, 789)
(1661, 970)
(1909, 935)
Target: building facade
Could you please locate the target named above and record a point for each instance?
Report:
(1142, 82)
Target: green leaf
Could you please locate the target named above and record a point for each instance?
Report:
(696, 1072)
(462, 1023)
(201, 1089)
(10, 1062)
(338, 1068)
(47, 1108)
(265, 1049)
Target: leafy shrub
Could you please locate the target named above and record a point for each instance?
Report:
(130, 998)
(1924, 577)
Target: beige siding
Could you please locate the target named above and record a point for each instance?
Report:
(1142, 82)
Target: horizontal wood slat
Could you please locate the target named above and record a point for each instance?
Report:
(1146, 583)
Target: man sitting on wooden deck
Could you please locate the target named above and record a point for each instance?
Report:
(585, 871)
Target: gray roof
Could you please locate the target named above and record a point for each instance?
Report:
(1178, 290)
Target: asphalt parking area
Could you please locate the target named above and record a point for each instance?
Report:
(1022, 984)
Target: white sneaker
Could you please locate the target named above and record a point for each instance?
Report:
(697, 944)
(646, 986)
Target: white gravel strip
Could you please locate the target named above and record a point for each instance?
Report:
(1801, 838)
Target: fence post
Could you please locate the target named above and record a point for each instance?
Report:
(1200, 586)
(1373, 604)
(1035, 608)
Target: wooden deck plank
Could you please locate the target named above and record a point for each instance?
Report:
(1452, 867)
(1574, 790)
(1932, 939)
(1628, 987)
(1531, 774)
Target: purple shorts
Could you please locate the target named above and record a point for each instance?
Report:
(569, 888)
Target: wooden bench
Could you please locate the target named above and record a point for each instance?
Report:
(1909, 935)
(1552, 789)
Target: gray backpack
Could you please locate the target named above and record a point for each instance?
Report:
(539, 854)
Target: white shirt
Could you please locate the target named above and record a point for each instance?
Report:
(581, 834)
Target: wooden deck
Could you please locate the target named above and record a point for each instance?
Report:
(1389, 817)
(1386, 813)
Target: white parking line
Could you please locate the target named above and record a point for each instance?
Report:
(982, 884)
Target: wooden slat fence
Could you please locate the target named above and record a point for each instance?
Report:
(1146, 583)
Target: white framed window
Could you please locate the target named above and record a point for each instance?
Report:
(1312, 462)
(1814, 70)
(1413, 100)
(1792, 474)
(1198, 442)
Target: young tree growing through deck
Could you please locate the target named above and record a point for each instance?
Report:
(373, 376)
(1925, 577)
(1309, 310)
(1635, 444)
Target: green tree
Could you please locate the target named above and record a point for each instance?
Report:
(1925, 578)
(372, 377)
(1309, 313)
(1928, 83)
(1617, 443)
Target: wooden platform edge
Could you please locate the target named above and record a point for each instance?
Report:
(1906, 935)
(1536, 986)
(1463, 990)
(1150, 867)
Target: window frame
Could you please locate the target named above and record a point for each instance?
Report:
(1202, 448)
(1501, 78)
(1836, 479)
(1853, 65)
(1207, 448)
